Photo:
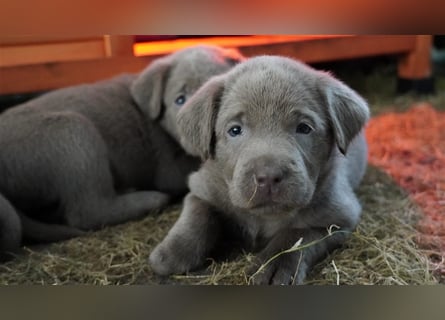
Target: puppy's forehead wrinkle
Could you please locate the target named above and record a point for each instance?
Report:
(283, 106)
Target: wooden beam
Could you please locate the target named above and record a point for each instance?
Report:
(14, 55)
(330, 49)
(48, 76)
(416, 64)
(119, 45)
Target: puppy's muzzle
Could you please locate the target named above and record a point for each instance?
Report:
(271, 180)
(266, 180)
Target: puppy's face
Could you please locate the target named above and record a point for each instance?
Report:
(272, 138)
(270, 127)
(163, 88)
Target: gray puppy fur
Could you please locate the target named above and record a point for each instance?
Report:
(76, 159)
(283, 149)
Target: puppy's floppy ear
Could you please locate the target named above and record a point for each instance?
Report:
(232, 56)
(347, 111)
(196, 119)
(148, 88)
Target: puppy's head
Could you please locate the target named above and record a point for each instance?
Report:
(270, 125)
(168, 82)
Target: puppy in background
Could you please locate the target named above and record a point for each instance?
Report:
(89, 156)
(283, 150)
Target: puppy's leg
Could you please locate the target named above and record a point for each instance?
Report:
(106, 208)
(292, 267)
(10, 229)
(37, 231)
(340, 208)
(189, 241)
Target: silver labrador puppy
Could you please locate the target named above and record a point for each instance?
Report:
(283, 149)
(77, 158)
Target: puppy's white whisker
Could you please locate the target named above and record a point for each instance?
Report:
(254, 191)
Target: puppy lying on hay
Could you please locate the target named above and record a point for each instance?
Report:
(93, 155)
(283, 149)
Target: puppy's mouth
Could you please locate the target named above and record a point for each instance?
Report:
(259, 199)
(262, 198)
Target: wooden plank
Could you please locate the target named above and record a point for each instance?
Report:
(417, 63)
(8, 40)
(320, 50)
(22, 79)
(51, 52)
(119, 45)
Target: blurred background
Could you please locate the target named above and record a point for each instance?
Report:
(377, 66)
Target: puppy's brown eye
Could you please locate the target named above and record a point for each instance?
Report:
(235, 131)
(180, 100)
(303, 128)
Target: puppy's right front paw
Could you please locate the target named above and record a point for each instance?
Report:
(165, 261)
(159, 262)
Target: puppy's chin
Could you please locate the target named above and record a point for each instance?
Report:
(273, 209)
(259, 206)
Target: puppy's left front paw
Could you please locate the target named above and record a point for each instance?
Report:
(284, 270)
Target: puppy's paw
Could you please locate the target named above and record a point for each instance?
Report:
(284, 270)
(158, 200)
(165, 260)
